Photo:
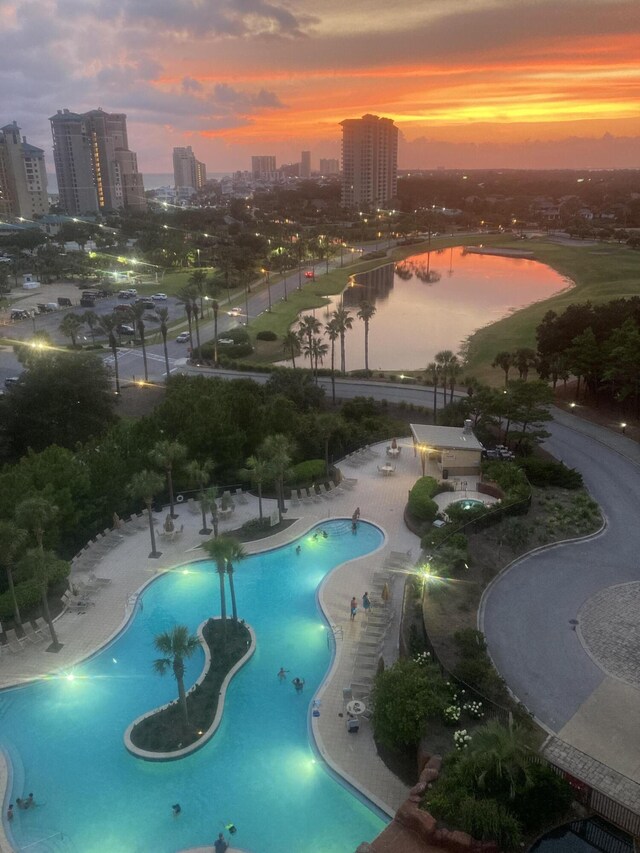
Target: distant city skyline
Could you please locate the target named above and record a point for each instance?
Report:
(469, 83)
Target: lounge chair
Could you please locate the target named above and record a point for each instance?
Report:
(241, 497)
(193, 507)
(349, 482)
(99, 582)
(75, 605)
(295, 500)
(31, 633)
(304, 496)
(42, 628)
(326, 493)
(315, 497)
(15, 643)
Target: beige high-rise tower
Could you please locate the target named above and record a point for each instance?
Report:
(23, 177)
(188, 173)
(369, 161)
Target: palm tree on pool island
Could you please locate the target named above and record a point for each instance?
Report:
(146, 485)
(176, 646)
(220, 550)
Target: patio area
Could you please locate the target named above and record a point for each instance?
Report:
(120, 559)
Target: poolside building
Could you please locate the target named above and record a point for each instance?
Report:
(447, 451)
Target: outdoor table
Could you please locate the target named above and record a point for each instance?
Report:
(393, 451)
(356, 707)
(387, 470)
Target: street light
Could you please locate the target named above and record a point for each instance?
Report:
(623, 427)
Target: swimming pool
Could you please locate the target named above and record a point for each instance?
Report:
(64, 737)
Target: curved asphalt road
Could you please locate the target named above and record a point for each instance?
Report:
(527, 612)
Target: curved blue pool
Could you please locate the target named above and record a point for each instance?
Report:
(64, 737)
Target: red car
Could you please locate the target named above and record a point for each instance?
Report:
(309, 274)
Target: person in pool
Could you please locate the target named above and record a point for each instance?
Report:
(282, 674)
(176, 808)
(298, 683)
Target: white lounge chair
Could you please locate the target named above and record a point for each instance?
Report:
(31, 633)
(15, 643)
(99, 582)
(241, 497)
(42, 628)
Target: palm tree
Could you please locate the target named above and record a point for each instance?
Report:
(176, 646)
(291, 346)
(258, 471)
(455, 369)
(523, 359)
(108, 324)
(185, 298)
(208, 498)
(166, 455)
(331, 331)
(327, 425)
(197, 281)
(145, 485)
(499, 757)
(35, 514)
(443, 360)
(138, 316)
(12, 541)
(433, 373)
(503, 360)
(277, 451)
(92, 320)
(318, 351)
(219, 550)
(199, 476)
(366, 312)
(344, 322)
(70, 326)
(236, 553)
(41, 566)
(307, 328)
(163, 320)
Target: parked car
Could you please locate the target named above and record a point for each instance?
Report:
(145, 302)
(122, 309)
(64, 302)
(10, 381)
(227, 341)
(159, 297)
(235, 312)
(132, 291)
(182, 338)
(88, 302)
(125, 329)
(125, 294)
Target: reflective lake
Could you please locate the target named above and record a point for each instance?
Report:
(434, 301)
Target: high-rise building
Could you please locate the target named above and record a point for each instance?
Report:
(369, 161)
(262, 167)
(188, 173)
(96, 171)
(305, 164)
(23, 177)
(330, 166)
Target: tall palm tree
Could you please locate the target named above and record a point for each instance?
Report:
(163, 320)
(199, 476)
(344, 322)
(108, 323)
(366, 312)
(318, 351)
(291, 346)
(332, 332)
(208, 502)
(455, 369)
(138, 314)
(12, 541)
(167, 455)
(198, 281)
(433, 373)
(219, 550)
(503, 360)
(35, 515)
(236, 553)
(277, 450)
(145, 485)
(327, 424)
(307, 328)
(70, 326)
(258, 471)
(41, 566)
(443, 360)
(185, 298)
(176, 646)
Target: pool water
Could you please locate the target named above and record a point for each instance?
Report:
(259, 771)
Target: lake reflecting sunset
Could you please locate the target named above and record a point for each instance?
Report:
(434, 301)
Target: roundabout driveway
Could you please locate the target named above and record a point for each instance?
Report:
(563, 625)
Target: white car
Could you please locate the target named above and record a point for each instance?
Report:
(235, 312)
(159, 297)
(226, 341)
(182, 338)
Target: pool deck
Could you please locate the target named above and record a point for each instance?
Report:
(126, 563)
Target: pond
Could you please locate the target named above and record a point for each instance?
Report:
(434, 301)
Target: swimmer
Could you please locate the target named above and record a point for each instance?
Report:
(30, 801)
(22, 804)
(315, 536)
(298, 683)
(298, 549)
(10, 812)
(325, 534)
(176, 808)
(283, 673)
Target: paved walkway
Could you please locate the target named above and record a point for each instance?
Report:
(126, 563)
(553, 620)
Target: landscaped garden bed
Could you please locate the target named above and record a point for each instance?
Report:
(165, 731)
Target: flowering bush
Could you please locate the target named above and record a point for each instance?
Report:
(451, 714)
(422, 658)
(474, 710)
(461, 739)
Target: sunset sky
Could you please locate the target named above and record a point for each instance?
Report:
(470, 83)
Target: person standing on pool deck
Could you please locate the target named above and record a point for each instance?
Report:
(354, 608)
(366, 604)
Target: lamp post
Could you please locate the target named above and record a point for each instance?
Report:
(623, 427)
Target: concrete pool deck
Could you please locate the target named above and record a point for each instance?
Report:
(381, 500)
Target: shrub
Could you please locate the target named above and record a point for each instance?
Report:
(27, 596)
(509, 476)
(462, 514)
(543, 472)
(421, 503)
(545, 801)
(309, 471)
(255, 525)
(266, 335)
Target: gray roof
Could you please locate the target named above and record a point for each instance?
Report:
(450, 438)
